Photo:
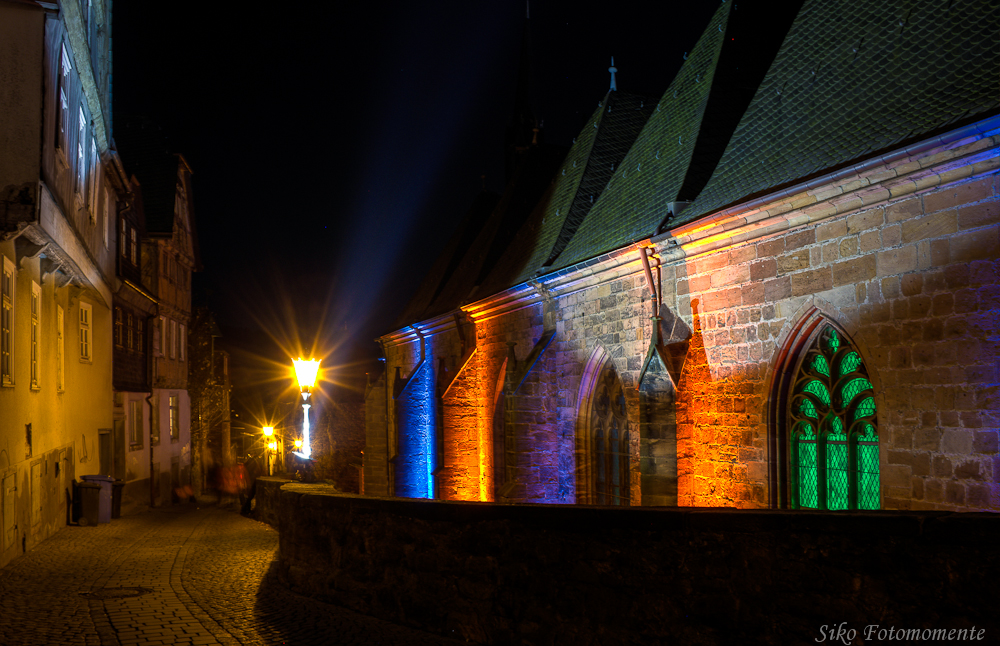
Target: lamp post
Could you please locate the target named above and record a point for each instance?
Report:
(268, 433)
(305, 374)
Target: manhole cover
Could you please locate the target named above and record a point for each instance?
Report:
(115, 593)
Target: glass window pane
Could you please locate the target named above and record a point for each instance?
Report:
(805, 455)
(850, 363)
(836, 472)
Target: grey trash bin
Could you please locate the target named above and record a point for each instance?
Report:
(89, 494)
(104, 513)
(116, 498)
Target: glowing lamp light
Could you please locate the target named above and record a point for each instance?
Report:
(305, 373)
(298, 444)
(268, 431)
(273, 446)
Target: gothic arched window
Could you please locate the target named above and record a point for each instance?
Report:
(609, 430)
(832, 431)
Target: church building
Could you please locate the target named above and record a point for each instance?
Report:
(776, 285)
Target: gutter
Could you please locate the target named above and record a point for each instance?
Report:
(982, 128)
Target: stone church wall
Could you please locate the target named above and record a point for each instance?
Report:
(902, 256)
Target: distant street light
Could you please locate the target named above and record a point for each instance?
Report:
(305, 374)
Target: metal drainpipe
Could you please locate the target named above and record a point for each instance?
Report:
(649, 279)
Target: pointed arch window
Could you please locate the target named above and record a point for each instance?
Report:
(610, 433)
(833, 432)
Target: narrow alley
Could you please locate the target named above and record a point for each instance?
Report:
(187, 574)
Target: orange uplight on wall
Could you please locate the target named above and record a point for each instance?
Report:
(273, 446)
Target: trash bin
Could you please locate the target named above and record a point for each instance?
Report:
(104, 513)
(89, 496)
(116, 498)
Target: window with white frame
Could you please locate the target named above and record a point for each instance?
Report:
(135, 426)
(7, 323)
(183, 342)
(159, 343)
(173, 339)
(123, 238)
(36, 305)
(175, 418)
(108, 214)
(130, 332)
(154, 423)
(86, 317)
(60, 349)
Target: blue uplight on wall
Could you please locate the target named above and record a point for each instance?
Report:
(415, 409)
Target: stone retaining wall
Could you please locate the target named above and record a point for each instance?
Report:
(266, 494)
(547, 574)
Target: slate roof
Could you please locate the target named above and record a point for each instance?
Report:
(853, 79)
(674, 156)
(145, 153)
(577, 186)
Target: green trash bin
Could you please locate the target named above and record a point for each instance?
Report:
(89, 494)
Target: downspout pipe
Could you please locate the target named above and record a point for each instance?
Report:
(649, 280)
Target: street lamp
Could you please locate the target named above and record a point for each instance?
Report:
(305, 374)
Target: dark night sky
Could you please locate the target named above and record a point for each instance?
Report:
(334, 145)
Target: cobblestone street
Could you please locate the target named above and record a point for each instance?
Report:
(202, 575)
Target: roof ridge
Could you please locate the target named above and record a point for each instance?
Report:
(611, 145)
(679, 110)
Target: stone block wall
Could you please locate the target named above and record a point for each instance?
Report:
(903, 256)
(916, 284)
(560, 574)
(462, 478)
(375, 465)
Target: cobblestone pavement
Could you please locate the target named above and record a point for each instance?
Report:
(203, 575)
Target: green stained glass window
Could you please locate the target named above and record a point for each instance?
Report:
(805, 462)
(820, 365)
(834, 445)
(853, 388)
(819, 390)
(836, 471)
(850, 363)
(868, 468)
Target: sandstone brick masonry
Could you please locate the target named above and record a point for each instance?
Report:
(535, 574)
(903, 258)
(916, 283)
